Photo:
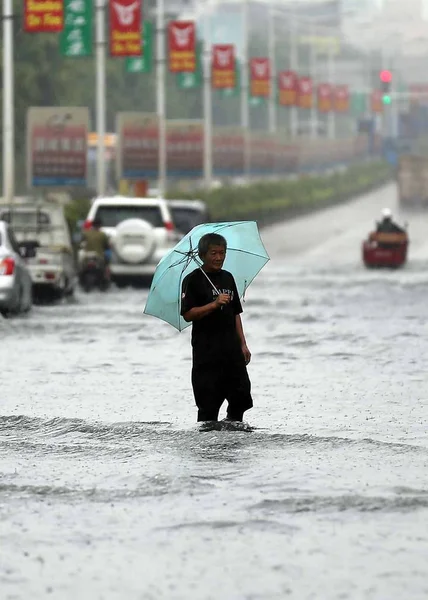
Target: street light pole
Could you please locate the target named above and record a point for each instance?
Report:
(294, 66)
(313, 71)
(100, 44)
(8, 112)
(245, 109)
(332, 82)
(272, 62)
(207, 101)
(161, 98)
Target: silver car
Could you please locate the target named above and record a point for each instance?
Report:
(15, 278)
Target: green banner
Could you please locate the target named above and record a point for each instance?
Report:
(192, 81)
(76, 37)
(144, 63)
(257, 100)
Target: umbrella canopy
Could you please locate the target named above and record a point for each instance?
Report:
(245, 257)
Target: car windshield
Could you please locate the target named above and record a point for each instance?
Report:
(25, 219)
(186, 218)
(111, 216)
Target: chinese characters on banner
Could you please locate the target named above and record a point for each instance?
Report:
(223, 66)
(125, 27)
(185, 147)
(182, 46)
(260, 77)
(376, 101)
(76, 37)
(57, 139)
(305, 92)
(137, 145)
(341, 98)
(43, 17)
(287, 86)
(325, 103)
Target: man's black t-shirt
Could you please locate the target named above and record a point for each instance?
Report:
(214, 337)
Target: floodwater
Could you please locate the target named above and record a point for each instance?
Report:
(108, 490)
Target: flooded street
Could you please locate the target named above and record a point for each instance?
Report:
(108, 490)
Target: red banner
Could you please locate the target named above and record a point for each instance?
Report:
(288, 88)
(325, 97)
(376, 101)
(43, 16)
(125, 27)
(260, 77)
(182, 46)
(341, 98)
(305, 92)
(223, 66)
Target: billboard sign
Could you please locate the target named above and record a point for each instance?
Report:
(137, 153)
(57, 146)
(185, 147)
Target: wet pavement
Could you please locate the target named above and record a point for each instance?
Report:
(108, 490)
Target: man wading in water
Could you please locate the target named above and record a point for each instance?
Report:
(210, 300)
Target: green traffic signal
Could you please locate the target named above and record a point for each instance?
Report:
(386, 99)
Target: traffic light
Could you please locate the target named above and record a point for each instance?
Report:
(385, 86)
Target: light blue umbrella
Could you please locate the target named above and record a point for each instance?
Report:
(245, 257)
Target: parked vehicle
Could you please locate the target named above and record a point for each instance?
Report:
(41, 229)
(92, 272)
(187, 214)
(15, 278)
(141, 232)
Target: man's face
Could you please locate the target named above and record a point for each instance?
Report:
(214, 258)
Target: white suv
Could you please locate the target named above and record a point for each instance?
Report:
(141, 232)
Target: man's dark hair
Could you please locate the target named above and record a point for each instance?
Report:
(97, 222)
(210, 239)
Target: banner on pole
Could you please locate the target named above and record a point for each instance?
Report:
(376, 102)
(305, 92)
(41, 16)
(260, 77)
(192, 81)
(182, 46)
(185, 147)
(57, 139)
(144, 63)
(76, 37)
(287, 87)
(223, 66)
(125, 27)
(137, 154)
(235, 91)
(341, 97)
(325, 97)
